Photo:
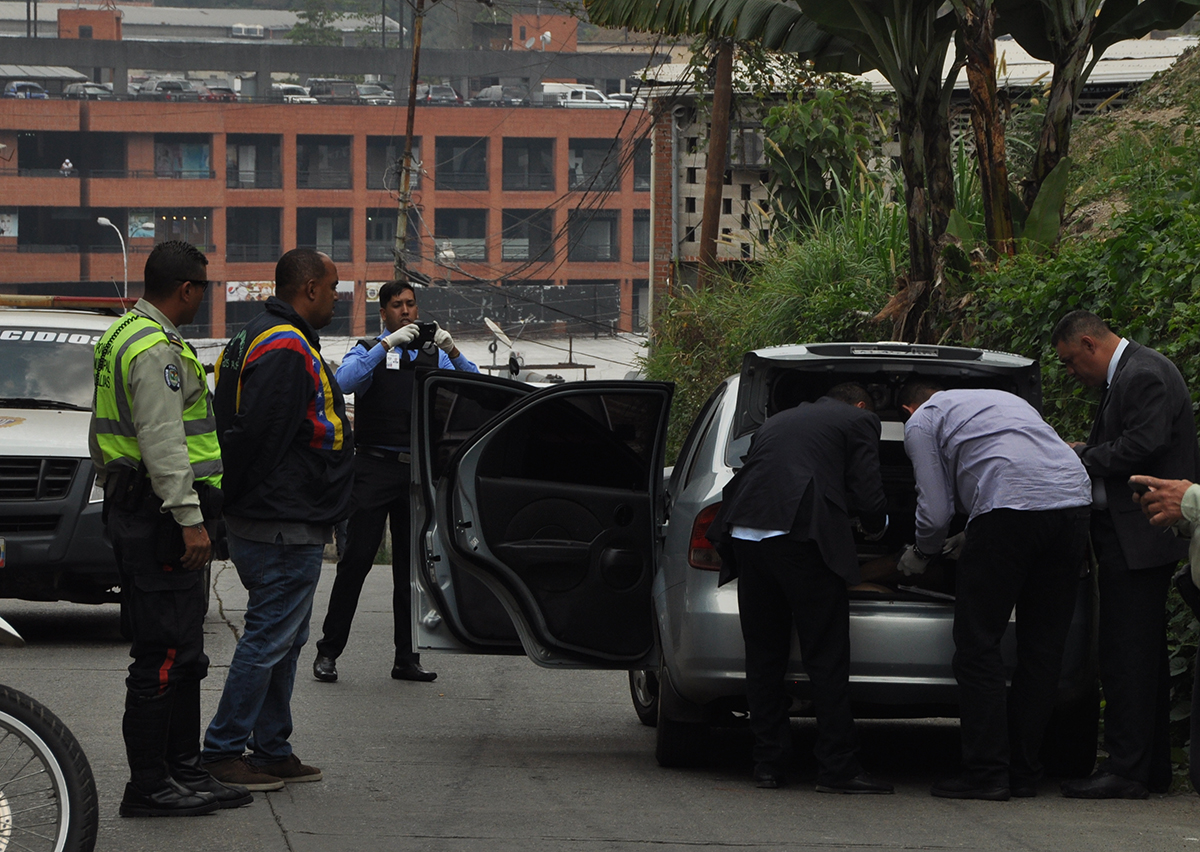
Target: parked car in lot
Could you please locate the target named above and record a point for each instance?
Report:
(25, 90)
(52, 544)
(87, 92)
(291, 93)
(438, 94)
(501, 96)
(373, 95)
(545, 527)
(219, 94)
(168, 89)
(329, 90)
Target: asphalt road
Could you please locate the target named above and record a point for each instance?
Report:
(498, 754)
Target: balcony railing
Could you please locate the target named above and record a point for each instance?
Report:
(176, 174)
(338, 251)
(40, 248)
(251, 253)
(592, 253)
(462, 180)
(518, 181)
(464, 248)
(599, 181)
(324, 179)
(259, 179)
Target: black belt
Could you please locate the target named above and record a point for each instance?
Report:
(390, 455)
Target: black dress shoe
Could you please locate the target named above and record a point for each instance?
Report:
(325, 668)
(1105, 785)
(412, 671)
(168, 799)
(1022, 789)
(190, 772)
(768, 780)
(861, 783)
(963, 787)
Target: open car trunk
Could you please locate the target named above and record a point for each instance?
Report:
(779, 378)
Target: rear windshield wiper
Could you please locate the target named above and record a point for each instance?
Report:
(37, 402)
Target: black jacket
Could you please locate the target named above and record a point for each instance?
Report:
(809, 470)
(281, 420)
(1144, 425)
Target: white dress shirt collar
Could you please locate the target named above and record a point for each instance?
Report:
(1116, 359)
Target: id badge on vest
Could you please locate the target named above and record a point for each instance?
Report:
(392, 359)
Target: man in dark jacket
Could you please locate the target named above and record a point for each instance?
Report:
(785, 520)
(285, 437)
(1144, 425)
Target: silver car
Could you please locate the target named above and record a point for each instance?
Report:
(543, 525)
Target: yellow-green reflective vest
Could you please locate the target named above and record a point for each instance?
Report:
(115, 433)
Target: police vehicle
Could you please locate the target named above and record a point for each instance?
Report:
(52, 543)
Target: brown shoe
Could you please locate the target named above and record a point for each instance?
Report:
(235, 770)
(291, 770)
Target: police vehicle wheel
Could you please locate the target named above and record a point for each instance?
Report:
(643, 689)
(47, 792)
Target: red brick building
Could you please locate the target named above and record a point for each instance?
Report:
(547, 196)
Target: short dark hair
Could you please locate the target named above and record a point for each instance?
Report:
(1078, 323)
(852, 393)
(296, 267)
(392, 289)
(917, 391)
(169, 265)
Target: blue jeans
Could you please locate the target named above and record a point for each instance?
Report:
(255, 710)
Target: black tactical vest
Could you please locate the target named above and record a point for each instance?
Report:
(383, 413)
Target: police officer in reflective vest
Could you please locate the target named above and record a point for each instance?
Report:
(154, 445)
(379, 372)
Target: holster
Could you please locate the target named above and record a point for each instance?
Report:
(129, 490)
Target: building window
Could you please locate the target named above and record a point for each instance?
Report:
(528, 235)
(324, 229)
(690, 176)
(460, 163)
(460, 235)
(323, 162)
(640, 303)
(85, 31)
(593, 164)
(384, 156)
(641, 166)
(592, 235)
(252, 161)
(192, 225)
(252, 235)
(528, 164)
(183, 156)
(381, 235)
(641, 235)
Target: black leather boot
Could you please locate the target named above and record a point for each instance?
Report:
(151, 791)
(183, 751)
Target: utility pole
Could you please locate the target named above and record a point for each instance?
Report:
(400, 271)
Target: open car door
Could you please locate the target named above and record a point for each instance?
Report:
(547, 514)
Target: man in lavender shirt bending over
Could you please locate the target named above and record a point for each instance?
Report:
(989, 455)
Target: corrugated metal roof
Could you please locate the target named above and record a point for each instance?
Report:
(40, 72)
(1125, 62)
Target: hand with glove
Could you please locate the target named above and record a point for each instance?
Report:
(401, 337)
(912, 561)
(445, 342)
(953, 547)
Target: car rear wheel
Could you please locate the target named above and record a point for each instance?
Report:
(677, 743)
(643, 689)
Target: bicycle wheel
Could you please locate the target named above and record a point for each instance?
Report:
(47, 792)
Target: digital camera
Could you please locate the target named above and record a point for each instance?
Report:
(426, 336)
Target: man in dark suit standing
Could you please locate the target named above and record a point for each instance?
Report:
(784, 530)
(1144, 425)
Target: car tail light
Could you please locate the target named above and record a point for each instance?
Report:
(701, 553)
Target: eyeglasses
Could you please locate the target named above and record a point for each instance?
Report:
(199, 282)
